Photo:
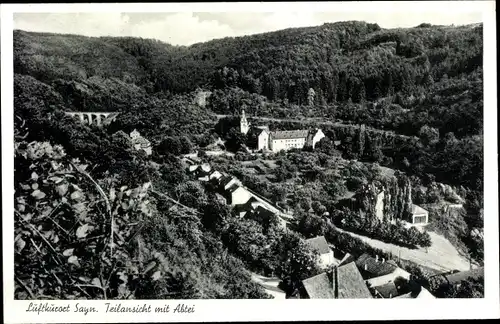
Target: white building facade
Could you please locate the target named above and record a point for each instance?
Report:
(263, 140)
(379, 206)
(318, 135)
(240, 196)
(326, 260)
(281, 140)
(326, 257)
(286, 140)
(419, 215)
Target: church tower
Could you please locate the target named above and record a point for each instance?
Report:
(244, 126)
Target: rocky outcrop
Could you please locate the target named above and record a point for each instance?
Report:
(387, 200)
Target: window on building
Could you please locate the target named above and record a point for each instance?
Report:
(419, 219)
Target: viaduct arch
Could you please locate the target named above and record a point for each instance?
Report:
(94, 118)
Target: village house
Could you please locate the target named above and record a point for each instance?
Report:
(394, 289)
(349, 283)
(422, 294)
(140, 143)
(388, 278)
(243, 200)
(345, 283)
(348, 258)
(419, 216)
(230, 188)
(374, 267)
(318, 287)
(320, 244)
(276, 141)
(388, 290)
(382, 276)
(262, 212)
(238, 195)
(265, 216)
(201, 97)
(227, 181)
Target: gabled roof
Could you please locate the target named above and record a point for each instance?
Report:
(387, 290)
(134, 133)
(348, 258)
(319, 243)
(233, 188)
(253, 202)
(350, 283)
(373, 268)
(417, 210)
(425, 294)
(290, 134)
(382, 280)
(264, 127)
(313, 132)
(225, 180)
(257, 130)
(407, 295)
(319, 287)
(264, 212)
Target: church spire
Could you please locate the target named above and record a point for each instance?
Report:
(244, 126)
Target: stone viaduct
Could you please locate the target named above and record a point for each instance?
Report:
(94, 118)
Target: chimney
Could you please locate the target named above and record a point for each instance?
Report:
(376, 258)
(383, 260)
(366, 267)
(335, 283)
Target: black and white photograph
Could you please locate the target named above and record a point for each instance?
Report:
(245, 155)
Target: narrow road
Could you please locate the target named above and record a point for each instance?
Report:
(441, 256)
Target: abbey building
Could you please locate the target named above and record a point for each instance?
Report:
(275, 141)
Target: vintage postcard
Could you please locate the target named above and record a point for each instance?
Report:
(249, 161)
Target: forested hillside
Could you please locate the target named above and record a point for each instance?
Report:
(408, 99)
(399, 79)
(279, 65)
